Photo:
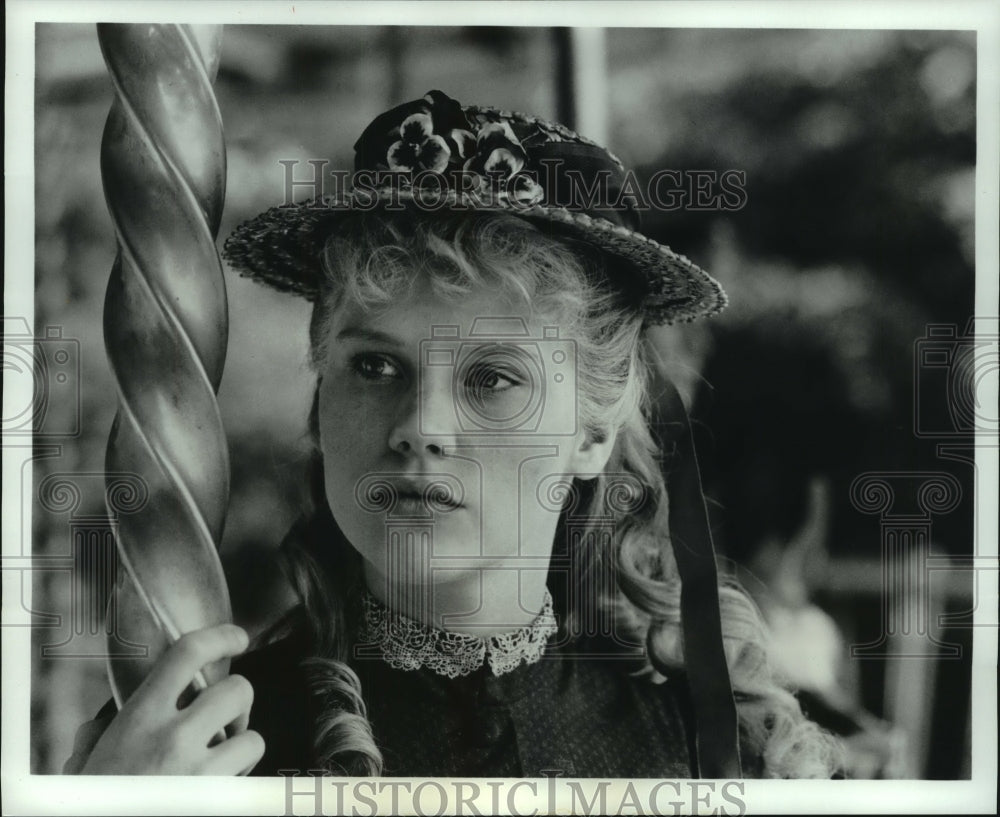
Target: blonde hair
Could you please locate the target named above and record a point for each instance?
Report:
(371, 261)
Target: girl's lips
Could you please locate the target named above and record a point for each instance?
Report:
(426, 499)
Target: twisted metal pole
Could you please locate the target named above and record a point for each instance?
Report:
(165, 330)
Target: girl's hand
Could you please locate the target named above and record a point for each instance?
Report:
(150, 735)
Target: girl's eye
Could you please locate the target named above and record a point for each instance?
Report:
(484, 380)
(375, 367)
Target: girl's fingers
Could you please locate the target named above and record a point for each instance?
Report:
(235, 756)
(179, 664)
(240, 724)
(227, 702)
(86, 738)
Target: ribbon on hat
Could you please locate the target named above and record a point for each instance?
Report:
(716, 724)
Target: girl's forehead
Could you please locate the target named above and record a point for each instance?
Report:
(422, 312)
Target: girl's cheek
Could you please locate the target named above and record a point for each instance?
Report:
(354, 426)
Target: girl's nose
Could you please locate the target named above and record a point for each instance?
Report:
(428, 421)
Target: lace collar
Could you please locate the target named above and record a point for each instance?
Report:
(408, 644)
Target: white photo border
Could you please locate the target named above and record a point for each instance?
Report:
(24, 793)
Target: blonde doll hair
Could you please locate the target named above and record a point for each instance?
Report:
(371, 261)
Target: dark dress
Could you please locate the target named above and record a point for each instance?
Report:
(574, 716)
(571, 713)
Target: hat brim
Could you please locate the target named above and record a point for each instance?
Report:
(281, 248)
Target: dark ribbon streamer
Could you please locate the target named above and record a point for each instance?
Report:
(716, 725)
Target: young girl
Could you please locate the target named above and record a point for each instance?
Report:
(494, 578)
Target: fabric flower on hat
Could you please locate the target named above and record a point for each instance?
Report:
(500, 159)
(418, 148)
(524, 190)
(498, 152)
(462, 143)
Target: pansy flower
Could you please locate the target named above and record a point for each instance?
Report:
(524, 190)
(499, 154)
(462, 143)
(418, 147)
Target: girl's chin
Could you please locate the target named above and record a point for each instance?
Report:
(447, 569)
(449, 544)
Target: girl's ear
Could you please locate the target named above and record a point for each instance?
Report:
(591, 455)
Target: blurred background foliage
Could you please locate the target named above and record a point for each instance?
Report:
(858, 148)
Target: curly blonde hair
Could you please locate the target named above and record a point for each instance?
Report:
(371, 261)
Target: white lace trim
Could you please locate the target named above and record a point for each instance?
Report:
(408, 644)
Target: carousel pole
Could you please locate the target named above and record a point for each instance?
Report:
(163, 165)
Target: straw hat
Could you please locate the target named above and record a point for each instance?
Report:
(434, 153)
